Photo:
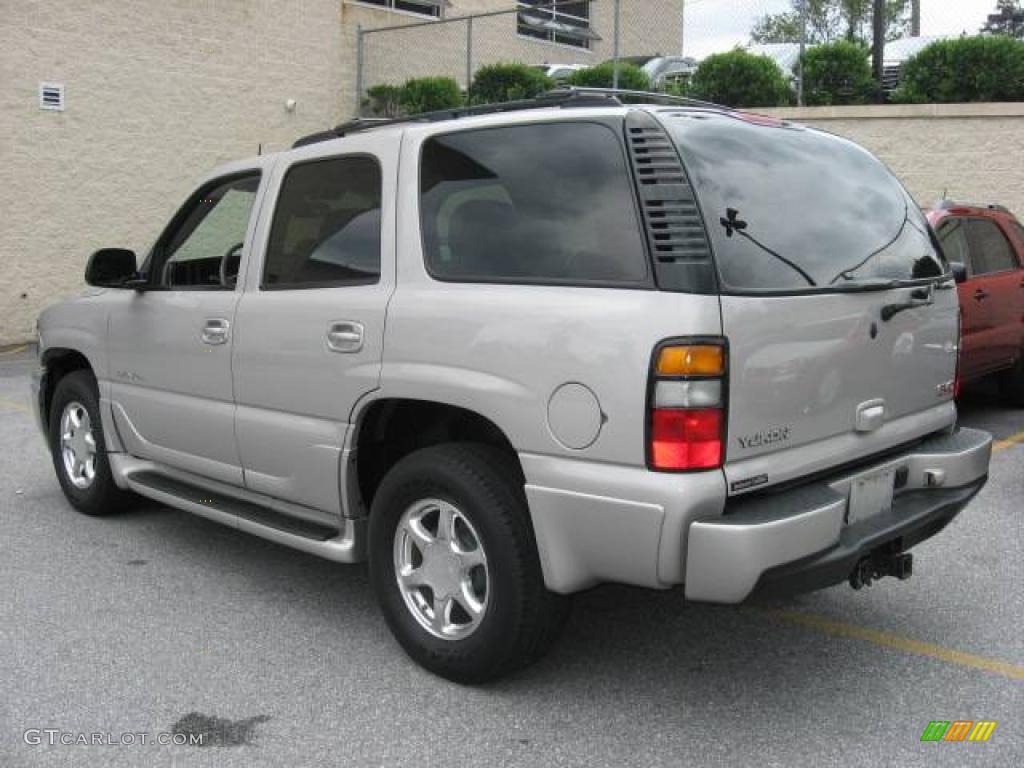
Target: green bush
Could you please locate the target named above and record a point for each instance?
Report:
(966, 69)
(838, 73)
(740, 79)
(430, 94)
(631, 77)
(508, 82)
(383, 101)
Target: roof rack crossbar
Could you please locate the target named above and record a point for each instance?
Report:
(570, 96)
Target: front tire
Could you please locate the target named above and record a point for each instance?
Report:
(78, 449)
(454, 564)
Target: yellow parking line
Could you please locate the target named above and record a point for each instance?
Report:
(11, 405)
(1017, 439)
(905, 644)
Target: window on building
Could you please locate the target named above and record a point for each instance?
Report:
(327, 228)
(421, 7)
(557, 22)
(547, 203)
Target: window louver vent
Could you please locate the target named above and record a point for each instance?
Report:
(51, 96)
(675, 230)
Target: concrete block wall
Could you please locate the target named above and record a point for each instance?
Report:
(972, 152)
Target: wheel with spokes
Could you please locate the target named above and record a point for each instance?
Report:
(454, 564)
(78, 449)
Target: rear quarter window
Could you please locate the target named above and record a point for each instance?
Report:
(549, 203)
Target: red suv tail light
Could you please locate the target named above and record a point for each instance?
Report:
(686, 409)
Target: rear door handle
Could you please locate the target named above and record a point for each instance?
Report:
(216, 330)
(981, 295)
(345, 336)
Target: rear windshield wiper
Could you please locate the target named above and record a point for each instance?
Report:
(733, 224)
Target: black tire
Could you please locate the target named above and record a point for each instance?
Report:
(522, 618)
(1011, 384)
(102, 496)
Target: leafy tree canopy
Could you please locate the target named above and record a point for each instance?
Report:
(1007, 20)
(832, 20)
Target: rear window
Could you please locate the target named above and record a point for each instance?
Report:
(531, 203)
(792, 209)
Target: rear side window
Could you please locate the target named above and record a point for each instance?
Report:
(326, 228)
(533, 203)
(990, 250)
(791, 209)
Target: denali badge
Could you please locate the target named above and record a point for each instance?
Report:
(768, 437)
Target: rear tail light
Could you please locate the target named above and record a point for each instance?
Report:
(686, 419)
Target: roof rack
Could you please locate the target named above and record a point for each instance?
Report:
(564, 97)
(945, 205)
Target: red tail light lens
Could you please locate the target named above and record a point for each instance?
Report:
(686, 439)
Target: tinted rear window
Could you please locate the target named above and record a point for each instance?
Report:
(528, 203)
(793, 209)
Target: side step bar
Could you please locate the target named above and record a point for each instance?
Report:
(343, 545)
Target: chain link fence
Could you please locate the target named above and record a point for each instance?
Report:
(559, 36)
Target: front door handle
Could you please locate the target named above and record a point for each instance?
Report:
(981, 295)
(345, 336)
(216, 331)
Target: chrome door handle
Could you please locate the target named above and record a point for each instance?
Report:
(216, 330)
(345, 336)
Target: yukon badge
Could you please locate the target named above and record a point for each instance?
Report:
(765, 438)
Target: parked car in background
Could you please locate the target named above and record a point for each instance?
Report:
(986, 242)
(560, 73)
(663, 70)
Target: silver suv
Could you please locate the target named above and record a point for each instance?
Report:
(505, 355)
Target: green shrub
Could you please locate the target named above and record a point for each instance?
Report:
(966, 69)
(631, 77)
(383, 101)
(838, 73)
(430, 94)
(740, 79)
(508, 82)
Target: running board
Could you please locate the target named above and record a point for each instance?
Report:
(340, 545)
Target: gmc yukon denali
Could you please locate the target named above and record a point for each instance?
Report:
(507, 354)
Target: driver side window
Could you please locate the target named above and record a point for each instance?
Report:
(205, 250)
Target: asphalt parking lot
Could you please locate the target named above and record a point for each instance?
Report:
(155, 619)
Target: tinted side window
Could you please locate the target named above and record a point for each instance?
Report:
(205, 250)
(990, 250)
(528, 203)
(326, 228)
(953, 237)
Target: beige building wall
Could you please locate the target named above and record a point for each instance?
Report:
(157, 93)
(972, 152)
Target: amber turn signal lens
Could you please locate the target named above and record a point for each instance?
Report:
(691, 360)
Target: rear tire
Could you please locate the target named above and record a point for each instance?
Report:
(472, 606)
(78, 449)
(1011, 384)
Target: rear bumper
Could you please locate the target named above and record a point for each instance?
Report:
(798, 540)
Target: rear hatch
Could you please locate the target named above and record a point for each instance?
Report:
(840, 314)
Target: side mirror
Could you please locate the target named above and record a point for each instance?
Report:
(111, 268)
(959, 271)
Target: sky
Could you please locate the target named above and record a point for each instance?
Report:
(719, 25)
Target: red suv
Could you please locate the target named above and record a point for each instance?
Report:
(985, 245)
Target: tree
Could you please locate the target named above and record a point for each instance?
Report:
(631, 77)
(838, 73)
(740, 79)
(982, 68)
(1008, 20)
(831, 20)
